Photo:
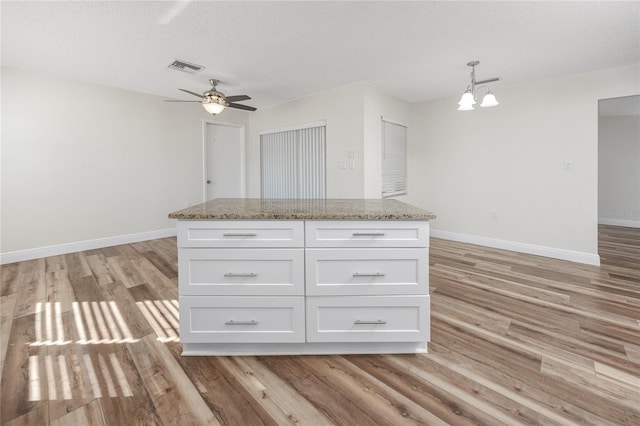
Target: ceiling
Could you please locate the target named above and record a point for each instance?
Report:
(279, 51)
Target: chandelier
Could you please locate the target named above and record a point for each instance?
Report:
(470, 96)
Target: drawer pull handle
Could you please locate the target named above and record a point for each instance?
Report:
(232, 322)
(368, 234)
(376, 274)
(235, 275)
(239, 234)
(359, 322)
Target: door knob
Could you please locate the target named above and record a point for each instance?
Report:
(208, 180)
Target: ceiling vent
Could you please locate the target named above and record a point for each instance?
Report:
(185, 66)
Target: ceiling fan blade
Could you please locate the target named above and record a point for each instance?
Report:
(240, 106)
(237, 98)
(172, 100)
(192, 93)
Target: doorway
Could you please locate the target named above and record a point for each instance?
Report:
(224, 160)
(619, 179)
(619, 161)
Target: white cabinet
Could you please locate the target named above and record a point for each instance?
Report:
(368, 319)
(241, 281)
(223, 319)
(303, 287)
(372, 234)
(366, 272)
(232, 272)
(240, 233)
(364, 285)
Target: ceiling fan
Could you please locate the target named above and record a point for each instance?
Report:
(215, 102)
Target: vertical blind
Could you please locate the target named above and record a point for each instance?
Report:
(292, 163)
(394, 159)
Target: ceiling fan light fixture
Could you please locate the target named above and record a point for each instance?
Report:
(215, 102)
(213, 107)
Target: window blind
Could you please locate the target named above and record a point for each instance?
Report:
(292, 163)
(394, 159)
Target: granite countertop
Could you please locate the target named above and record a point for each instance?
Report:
(296, 209)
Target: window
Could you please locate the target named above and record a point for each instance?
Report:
(292, 162)
(394, 159)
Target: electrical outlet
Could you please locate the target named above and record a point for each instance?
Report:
(494, 215)
(187, 204)
(568, 164)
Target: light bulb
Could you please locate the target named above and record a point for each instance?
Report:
(489, 100)
(467, 99)
(213, 107)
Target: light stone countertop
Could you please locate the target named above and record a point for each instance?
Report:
(298, 209)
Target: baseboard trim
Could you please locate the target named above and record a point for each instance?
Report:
(36, 253)
(555, 253)
(619, 222)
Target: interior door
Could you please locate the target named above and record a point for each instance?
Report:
(224, 161)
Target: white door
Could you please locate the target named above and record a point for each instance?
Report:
(224, 161)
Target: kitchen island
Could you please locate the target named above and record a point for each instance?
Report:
(275, 277)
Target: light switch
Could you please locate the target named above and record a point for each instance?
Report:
(568, 164)
(352, 153)
(351, 163)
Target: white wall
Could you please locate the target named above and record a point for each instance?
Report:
(342, 109)
(509, 159)
(353, 116)
(619, 170)
(83, 162)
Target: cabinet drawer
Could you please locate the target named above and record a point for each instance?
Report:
(209, 319)
(367, 234)
(368, 319)
(238, 233)
(241, 272)
(367, 272)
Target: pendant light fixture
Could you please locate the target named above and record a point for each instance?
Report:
(470, 96)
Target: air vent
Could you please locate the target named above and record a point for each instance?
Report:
(185, 66)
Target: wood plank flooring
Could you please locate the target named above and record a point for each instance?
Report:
(91, 338)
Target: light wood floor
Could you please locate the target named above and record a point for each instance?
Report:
(91, 338)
